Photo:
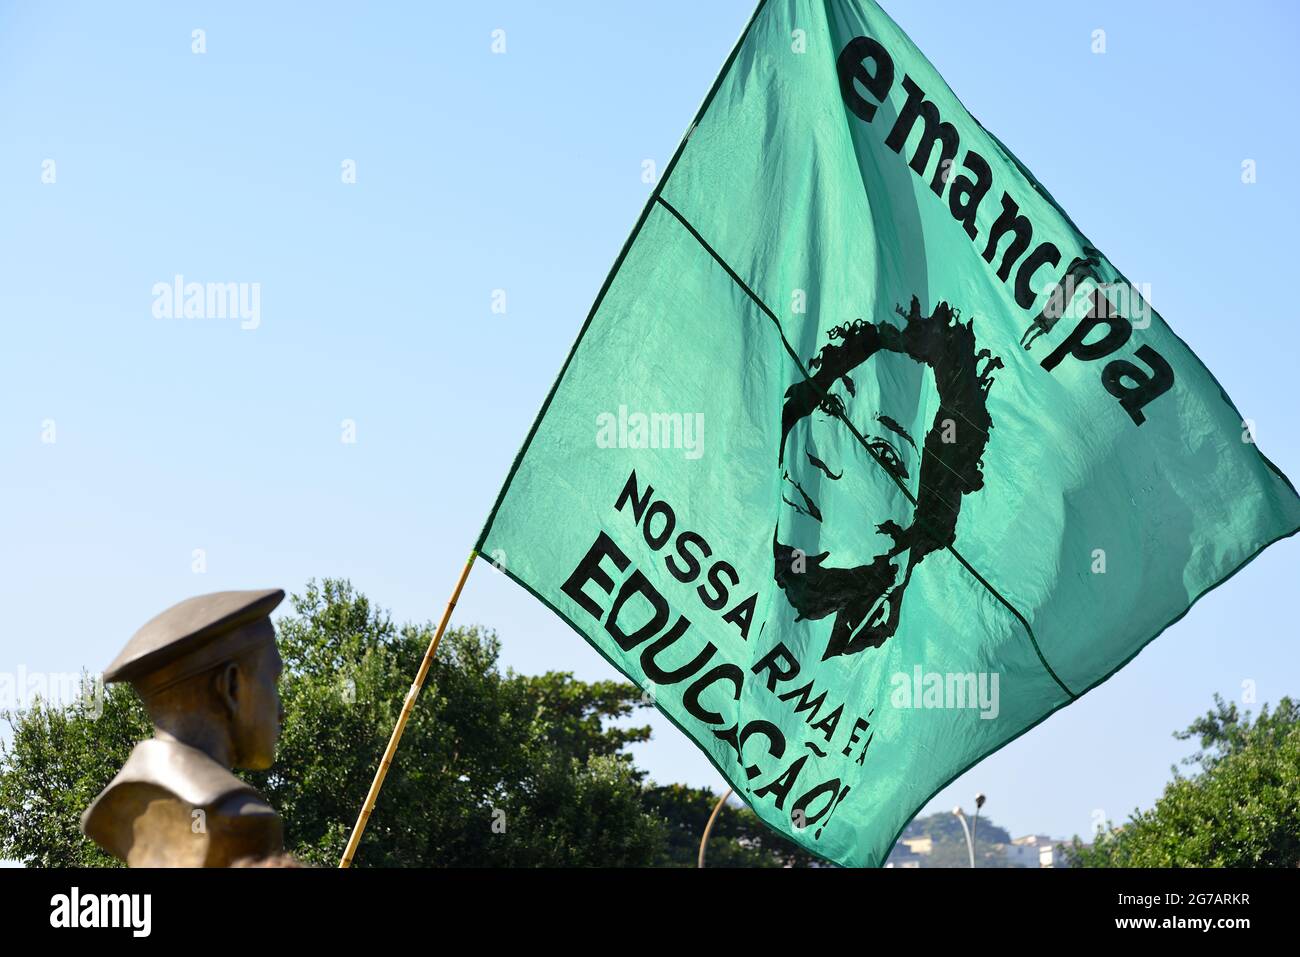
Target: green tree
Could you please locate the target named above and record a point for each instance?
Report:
(495, 768)
(1241, 808)
(58, 759)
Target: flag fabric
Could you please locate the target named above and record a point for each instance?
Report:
(865, 460)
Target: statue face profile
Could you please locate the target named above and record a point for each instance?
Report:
(256, 713)
(231, 711)
(863, 511)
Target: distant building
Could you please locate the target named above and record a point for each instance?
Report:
(911, 852)
(1032, 850)
(920, 846)
(1052, 856)
(1035, 850)
(1024, 851)
(903, 859)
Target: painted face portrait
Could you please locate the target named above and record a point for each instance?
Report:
(870, 491)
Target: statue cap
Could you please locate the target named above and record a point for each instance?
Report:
(194, 635)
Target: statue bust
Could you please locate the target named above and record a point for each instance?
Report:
(206, 670)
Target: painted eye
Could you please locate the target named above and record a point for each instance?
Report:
(887, 456)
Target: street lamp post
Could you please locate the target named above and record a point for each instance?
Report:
(970, 831)
(970, 848)
(708, 828)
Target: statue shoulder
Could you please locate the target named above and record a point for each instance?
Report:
(172, 805)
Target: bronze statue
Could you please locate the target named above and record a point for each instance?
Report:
(206, 670)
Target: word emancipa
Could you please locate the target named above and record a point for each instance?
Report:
(103, 910)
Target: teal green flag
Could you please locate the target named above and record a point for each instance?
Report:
(866, 461)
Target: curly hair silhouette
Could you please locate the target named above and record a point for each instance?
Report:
(866, 598)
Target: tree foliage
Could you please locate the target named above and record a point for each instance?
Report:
(58, 759)
(1241, 808)
(494, 769)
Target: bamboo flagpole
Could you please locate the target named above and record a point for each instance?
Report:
(407, 706)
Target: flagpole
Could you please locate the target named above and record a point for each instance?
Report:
(407, 706)
(708, 828)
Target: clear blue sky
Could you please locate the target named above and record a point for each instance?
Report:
(522, 172)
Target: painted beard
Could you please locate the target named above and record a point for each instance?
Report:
(865, 600)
